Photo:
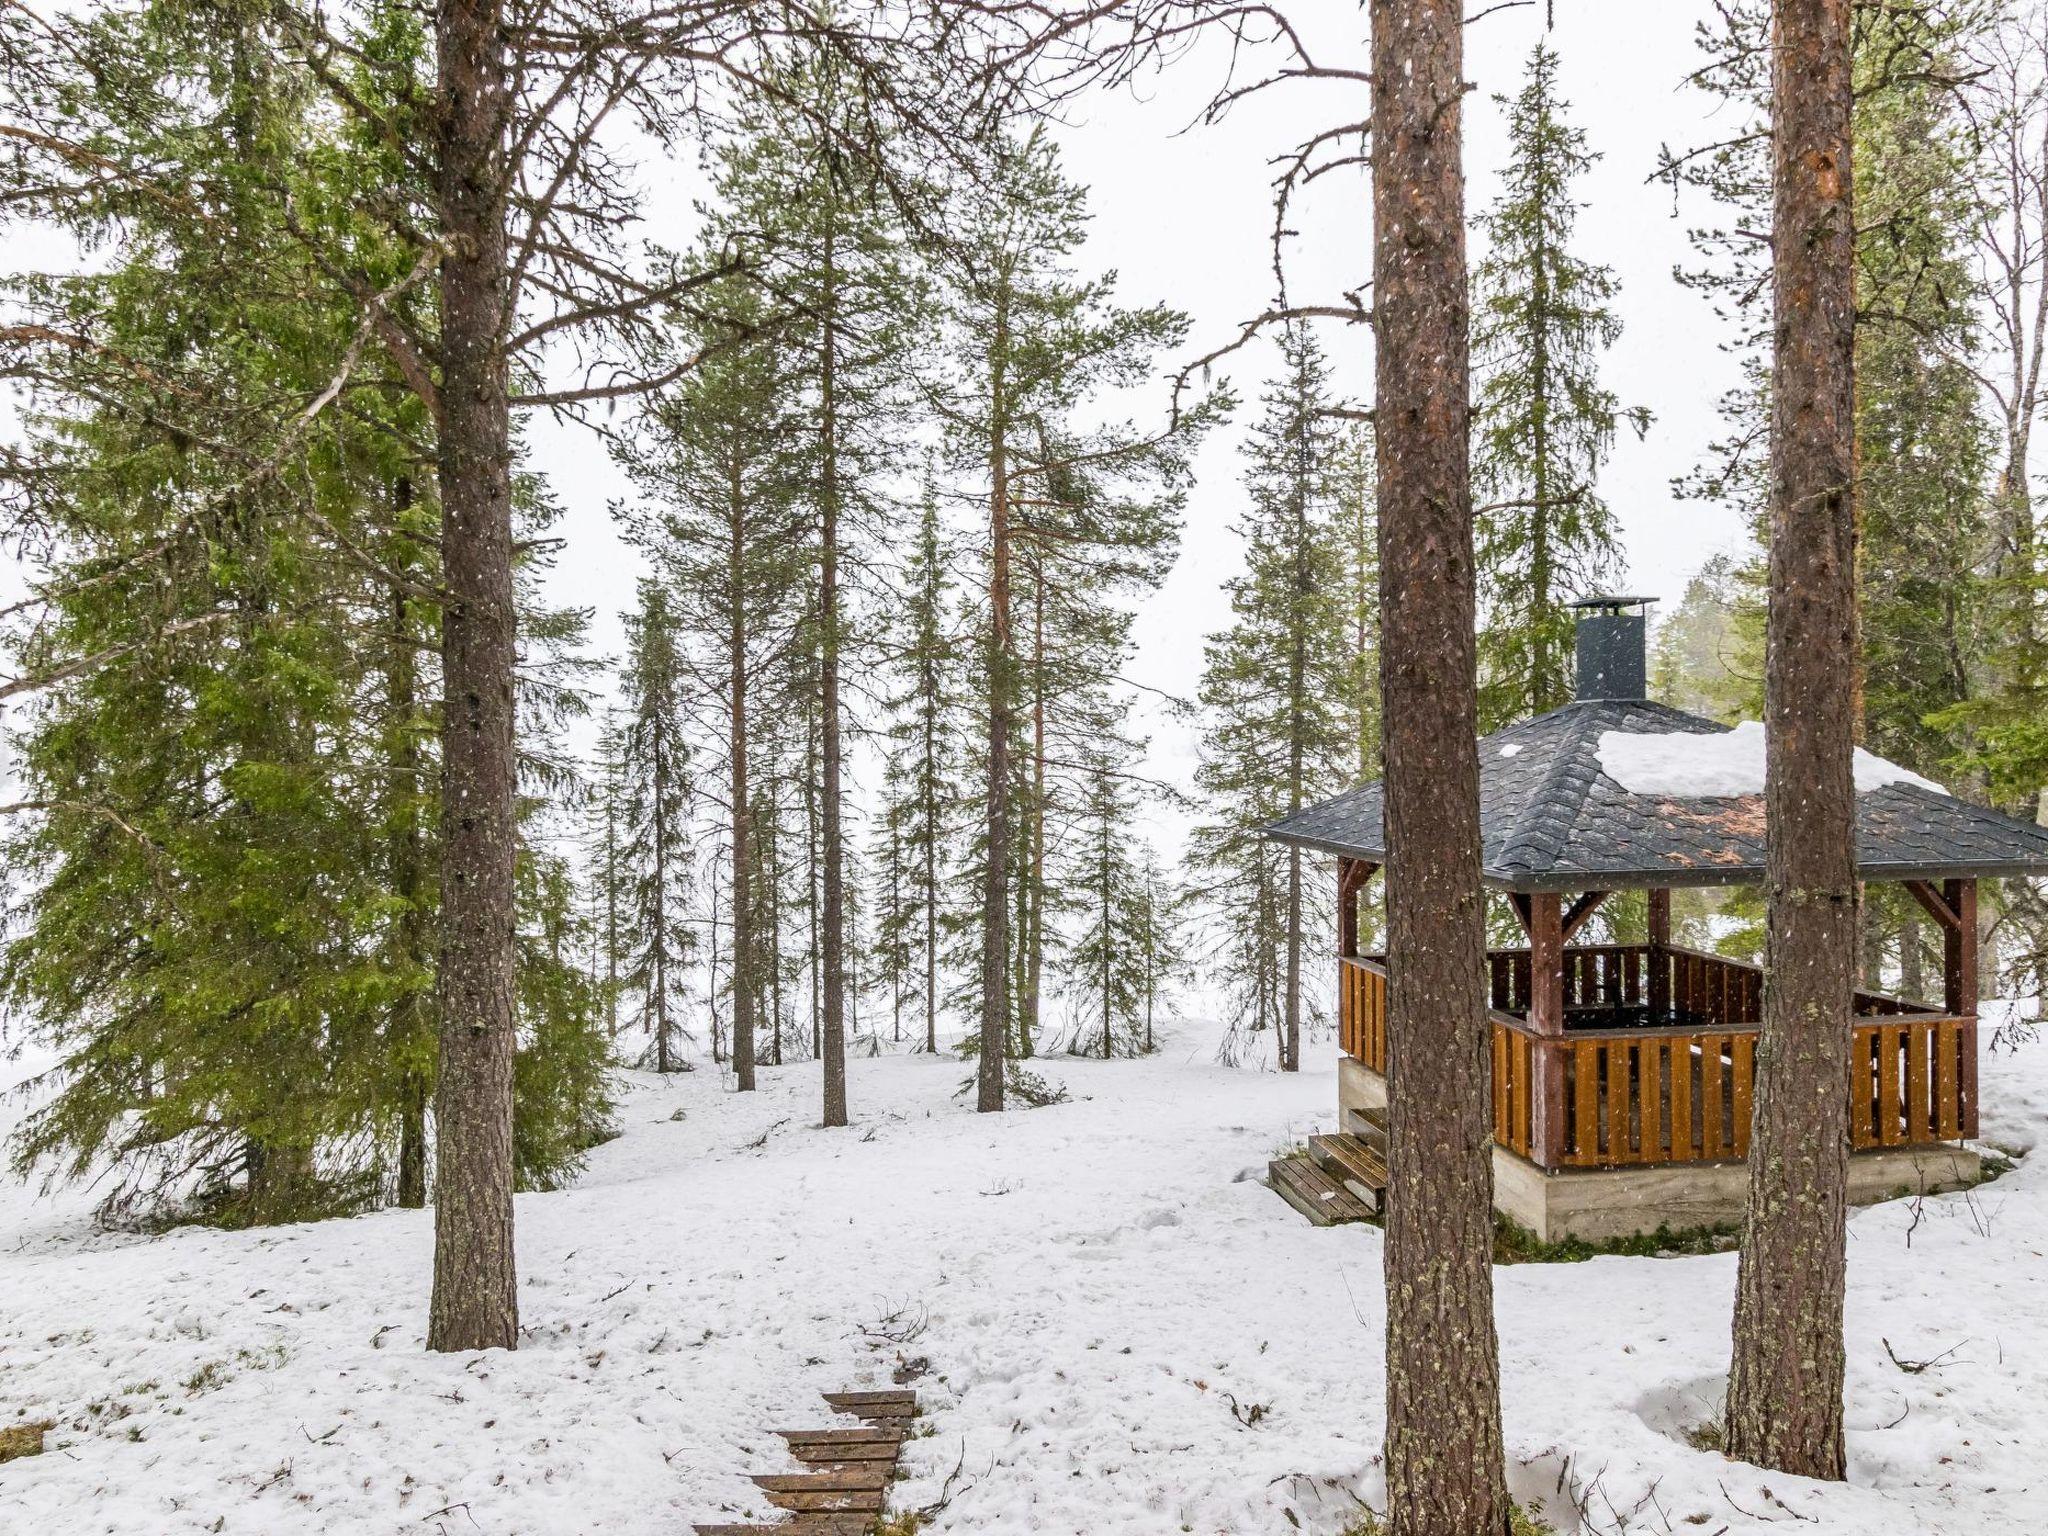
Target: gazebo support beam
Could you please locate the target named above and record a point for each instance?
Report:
(1660, 954)
(1352, 875)
(1545, 918)
(1959, 948)
(1582, 909)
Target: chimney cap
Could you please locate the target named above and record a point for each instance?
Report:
(1614, 604)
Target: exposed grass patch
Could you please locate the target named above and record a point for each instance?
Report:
(1520, 1522)
(1706, 1436)
(18, 1440)
(1515, 1244)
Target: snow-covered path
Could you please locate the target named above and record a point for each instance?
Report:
(1124, 1332)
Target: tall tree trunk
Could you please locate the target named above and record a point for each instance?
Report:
(834, 968)
(1785, 1388)
(658, 939)
(742, 804)
(1443, 1452)
(1034, 911)
(1001, 662)
(931, 878)
(475, 1300)
(1297, 765)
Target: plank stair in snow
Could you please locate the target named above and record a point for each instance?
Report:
(846, 1473)
(1368, 1122)
(1304, 1184)
(1353, 1162)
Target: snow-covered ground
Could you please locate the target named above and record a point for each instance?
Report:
(1120, 1329)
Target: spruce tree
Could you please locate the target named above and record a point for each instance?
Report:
(605, 865)
(919, 815)
(719, 520)
(656, 847)
(1111, 963)
(1542, 422)
(1280, 697)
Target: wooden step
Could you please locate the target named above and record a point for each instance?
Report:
(1354, 1163)
(889, 1408)
(1306, 1186)
(1369, 1124)
(799, 1525)
(884, 1451)
(867, 1434)
(828, 1500)
(839, 1480)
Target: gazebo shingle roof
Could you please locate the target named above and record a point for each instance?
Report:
(1552, 819)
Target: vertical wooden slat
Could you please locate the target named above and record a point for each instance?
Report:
(1649, 1100)
(1966, 1074)
(1948, 1118)
(1862, 1089)
(1523, 1101)
(1888, 1129)
(1745, 1063)
(1917, 1082)
(1586, 1111)
(1713, 1142)
(1500, 1084)
(1681, 1101)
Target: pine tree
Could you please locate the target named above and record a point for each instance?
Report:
(656, 845)
(1785, 1386)
(1542, 422)
(1443, 1446)
(831, 250)
(1280, 696)
(1033, 345)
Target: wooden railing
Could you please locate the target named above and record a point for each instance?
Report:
(1699, 987)
(1614, 1097)
(1362, 1010)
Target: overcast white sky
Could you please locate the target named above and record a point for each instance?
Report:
(1183, 215)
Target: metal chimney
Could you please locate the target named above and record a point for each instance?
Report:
(1611, 657)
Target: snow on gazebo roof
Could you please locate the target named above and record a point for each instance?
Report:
(1614, 794)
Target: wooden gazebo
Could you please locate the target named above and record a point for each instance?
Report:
(1622, 1072)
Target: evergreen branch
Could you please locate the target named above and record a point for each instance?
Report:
(81, 665)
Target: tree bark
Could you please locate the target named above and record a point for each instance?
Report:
(475, 1301)
(1785, 1387)
(1444, 1454)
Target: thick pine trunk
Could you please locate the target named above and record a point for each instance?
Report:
(1785, 1388)
(475, 1302)
(1443, 1450)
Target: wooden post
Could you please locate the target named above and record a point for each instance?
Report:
(1546, 1018)
(1659, 958)
(1959, 990)
(1352, 875)
(1959, 948)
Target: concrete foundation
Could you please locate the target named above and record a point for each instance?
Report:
(1598, 1204)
